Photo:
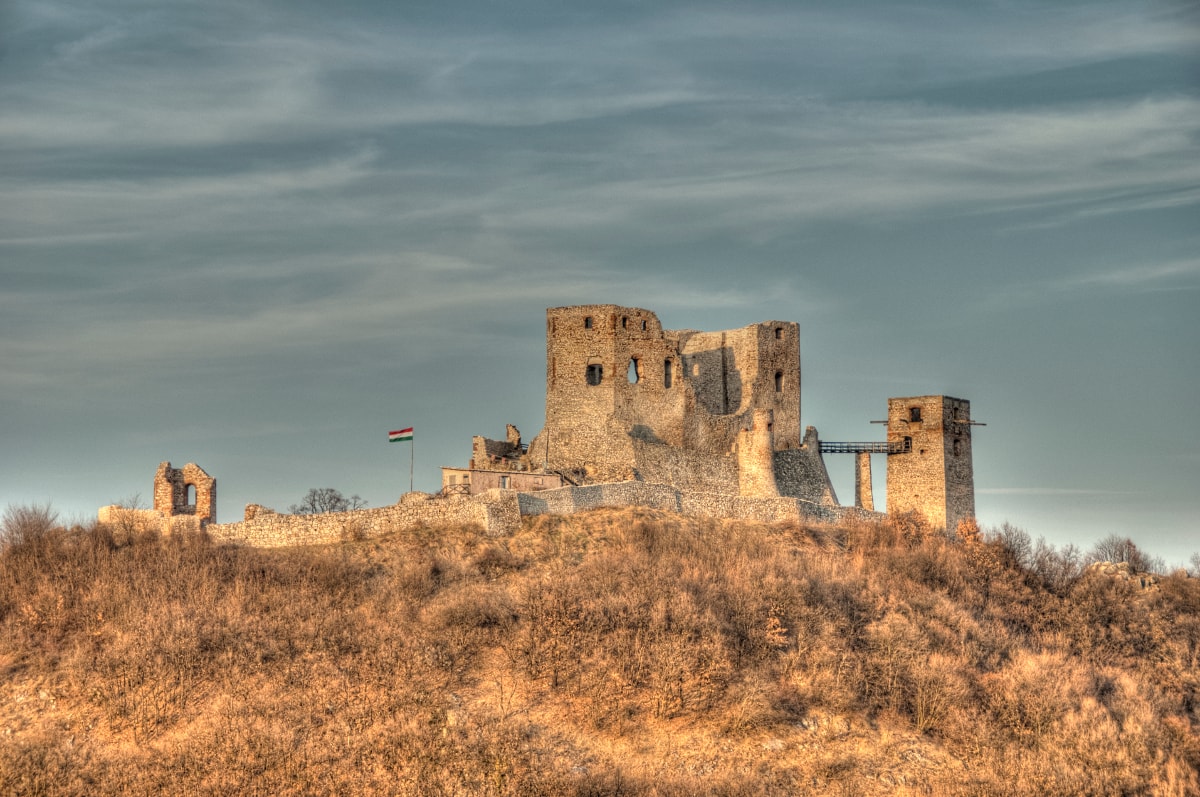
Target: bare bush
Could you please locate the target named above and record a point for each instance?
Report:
(27, 524)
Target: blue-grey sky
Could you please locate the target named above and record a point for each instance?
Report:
(259, 235)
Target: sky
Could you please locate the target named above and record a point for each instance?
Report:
(259, 235)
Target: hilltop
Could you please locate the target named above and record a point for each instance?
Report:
(609, 652)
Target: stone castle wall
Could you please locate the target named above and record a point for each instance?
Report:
(496, 511)
(568, 500)
(141, 521)
(686, 470)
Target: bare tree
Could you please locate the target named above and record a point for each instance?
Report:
(320, 500)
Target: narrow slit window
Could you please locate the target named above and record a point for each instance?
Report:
(779, 381)
(643, 326)
(587, 323)
(191, 495)
(667, 375)
(778, 333)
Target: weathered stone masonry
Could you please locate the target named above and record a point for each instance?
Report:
(626, 399)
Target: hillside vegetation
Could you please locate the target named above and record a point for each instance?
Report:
(616, 652)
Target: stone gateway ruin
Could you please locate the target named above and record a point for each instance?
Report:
(699, 423)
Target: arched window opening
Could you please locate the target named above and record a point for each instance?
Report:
(595, 373)
(958, 447)
(633, 374)
(779, 381)
(667, 374)
(191, 495)
(914, 413)
(587, 323)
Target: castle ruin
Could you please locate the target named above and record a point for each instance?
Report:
(716, 413)
(700, 423)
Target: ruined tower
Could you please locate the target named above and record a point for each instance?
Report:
(185, 491)
(626, 399)
(931, 471)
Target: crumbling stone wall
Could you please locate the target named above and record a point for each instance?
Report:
(140, 521)
(935, 477)
(507, 454)
(496, 511)
(185, 500)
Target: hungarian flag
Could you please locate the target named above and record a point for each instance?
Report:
(399, 435)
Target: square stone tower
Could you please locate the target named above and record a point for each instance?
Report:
(932, 474)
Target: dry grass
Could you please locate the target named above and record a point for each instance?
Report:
(616, 652)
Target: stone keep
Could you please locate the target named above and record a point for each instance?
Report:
(933, 475)
(621, 392)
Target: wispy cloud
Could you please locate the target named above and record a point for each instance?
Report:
(1175, 274)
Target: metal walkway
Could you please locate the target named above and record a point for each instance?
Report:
(898, 447)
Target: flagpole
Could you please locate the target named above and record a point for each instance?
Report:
(412, 457)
